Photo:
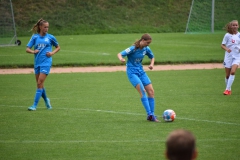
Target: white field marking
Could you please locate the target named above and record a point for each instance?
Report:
(136, 114)
(113, 141)
(80, 141)
(7, 55)
(83, 52)
(220, 122)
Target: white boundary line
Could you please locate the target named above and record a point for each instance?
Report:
(99, 141)
(136, 114)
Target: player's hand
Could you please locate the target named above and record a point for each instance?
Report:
(49, 54)
(35, 51)
(123, 60)
(229, 50)
(150, 67)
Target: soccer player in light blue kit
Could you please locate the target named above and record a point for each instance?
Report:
(136, 74)
(42, 43)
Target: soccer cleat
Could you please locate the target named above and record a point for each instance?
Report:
(149, 117)
(32, 108)
(227, 92)
(47, 103)
(152, 118)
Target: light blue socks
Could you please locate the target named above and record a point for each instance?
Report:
(44, 95)
(151, 104)
(37, 96)
(145, 104)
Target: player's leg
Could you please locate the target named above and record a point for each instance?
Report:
(227, 74)
(136, 82)
(46, 70)
(150, 92)
(228, 65)
(231, 77)
(40, 78)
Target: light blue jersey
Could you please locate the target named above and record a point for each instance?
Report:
(135, 56)
(44, 45)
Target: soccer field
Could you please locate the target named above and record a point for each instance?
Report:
(100, 116)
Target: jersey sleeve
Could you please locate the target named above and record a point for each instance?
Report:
(31, 41)
(225, 39)
(127, 51)
(53, 40)
(149, 53)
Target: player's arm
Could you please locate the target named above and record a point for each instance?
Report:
(29, 50)
(223, 46)
(125, 53)
(49, 54)
(151, 63)
(120, 57)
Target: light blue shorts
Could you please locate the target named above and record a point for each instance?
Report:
(42, 69)
(137, 76)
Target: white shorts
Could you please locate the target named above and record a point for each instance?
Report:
(229, 62)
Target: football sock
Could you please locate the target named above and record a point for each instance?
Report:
(145, 104)
(230, 82)
(37, 96)
(44, 95)
(226, 81)
(144, 99)
(142, 89)
(151, 102)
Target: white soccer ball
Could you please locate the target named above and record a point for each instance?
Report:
(169, 115)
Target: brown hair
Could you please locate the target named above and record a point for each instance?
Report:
(144, 37)
(180, 145)
(228, 26)
(35, 28)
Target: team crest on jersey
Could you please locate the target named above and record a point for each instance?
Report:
(127, 50)
(46, 40)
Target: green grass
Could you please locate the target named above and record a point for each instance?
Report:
(100, 116)
(85, 50)
(74, 17)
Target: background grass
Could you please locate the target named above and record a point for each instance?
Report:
(74, 17)
(93, 50)
(100, 116)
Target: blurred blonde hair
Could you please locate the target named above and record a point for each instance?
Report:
(228, 26)
(35, 28)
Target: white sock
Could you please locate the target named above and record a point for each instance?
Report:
(226, 81)
(230, 82)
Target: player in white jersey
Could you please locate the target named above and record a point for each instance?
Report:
(42, 43)
(231, 45)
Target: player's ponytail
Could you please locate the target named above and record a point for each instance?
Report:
(35, 28)
(144, 37)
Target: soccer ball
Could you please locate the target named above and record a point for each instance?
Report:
(169, 115)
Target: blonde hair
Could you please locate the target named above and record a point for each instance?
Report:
(228, 26)
(145, 37)
(35, 28)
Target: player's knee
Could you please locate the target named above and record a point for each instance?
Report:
(151, 93)
(142, 91)
(232, 73)
(40, 84)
